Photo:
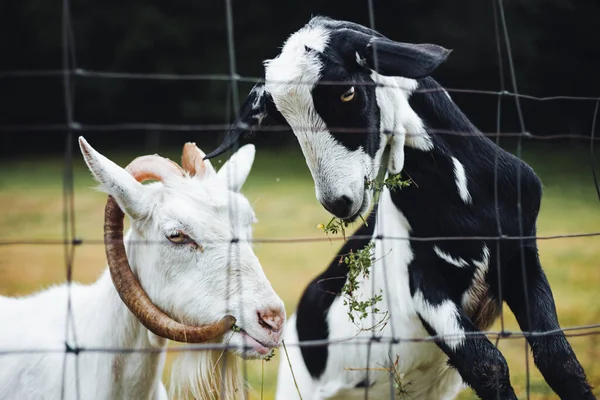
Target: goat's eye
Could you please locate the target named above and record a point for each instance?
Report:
(179, 238)
(347, 95)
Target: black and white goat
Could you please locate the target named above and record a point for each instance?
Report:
(449, 288)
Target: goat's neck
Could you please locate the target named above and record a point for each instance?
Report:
(452, 182)
(104, 321)
(441, 119)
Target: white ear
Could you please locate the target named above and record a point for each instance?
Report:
(192, 161)
(114, 180)
(235, 171)
(396, 158)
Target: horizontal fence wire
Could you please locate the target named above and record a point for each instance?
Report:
(594, 329)
(121, 127)
(78, 242)
(249, 79)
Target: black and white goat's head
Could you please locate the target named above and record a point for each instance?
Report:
(324, 85)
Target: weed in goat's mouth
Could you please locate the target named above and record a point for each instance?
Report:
(339, 225)
(335, 226)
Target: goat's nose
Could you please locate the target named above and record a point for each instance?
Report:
(339, 207)
(271, 319)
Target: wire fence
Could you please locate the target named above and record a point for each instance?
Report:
(71, 240)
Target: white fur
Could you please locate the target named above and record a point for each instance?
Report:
(443, 319)
(259, 91)
(422, 365)
(192, 285)
(460, 177)
(457, 262)
(482, 266)
(398, 119)
(206, 375)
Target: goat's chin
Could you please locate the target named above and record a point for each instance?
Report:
(364, 207)
(247, 347)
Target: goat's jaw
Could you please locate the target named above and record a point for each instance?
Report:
(249, 348)
(364, 207)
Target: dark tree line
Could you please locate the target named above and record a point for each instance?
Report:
(555, 48)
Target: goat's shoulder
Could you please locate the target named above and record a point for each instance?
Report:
(457, 140)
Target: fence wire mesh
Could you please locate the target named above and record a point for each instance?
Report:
(71, 241)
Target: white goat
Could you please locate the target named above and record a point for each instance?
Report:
(189, 248)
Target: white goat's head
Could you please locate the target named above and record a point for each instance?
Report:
(189, 248)
(324, 85)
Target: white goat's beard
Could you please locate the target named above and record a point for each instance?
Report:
(206, 375)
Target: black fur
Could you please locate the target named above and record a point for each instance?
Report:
(479, 362)
(355, 123)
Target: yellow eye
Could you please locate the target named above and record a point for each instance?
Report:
(179, 238)
(347, 95)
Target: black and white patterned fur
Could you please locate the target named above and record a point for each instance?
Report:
(439, 287)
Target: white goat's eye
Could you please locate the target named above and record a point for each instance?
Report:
(179, 238)
(347, 95)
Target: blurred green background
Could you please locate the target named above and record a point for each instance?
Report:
(282, 193)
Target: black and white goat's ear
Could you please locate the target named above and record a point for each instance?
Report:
(235, 171)
(257, 110)
(391, 58)
(396, 157)
(407, 60)
(114, 180)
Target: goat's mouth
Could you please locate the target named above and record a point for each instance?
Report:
(252, 347)
(364, 206)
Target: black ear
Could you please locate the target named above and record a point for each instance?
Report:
(393, 58)
(408, 60)
(257, 110)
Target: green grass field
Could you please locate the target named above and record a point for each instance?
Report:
(282, 193)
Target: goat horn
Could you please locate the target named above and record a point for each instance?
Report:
(153, 167)
(127, 285)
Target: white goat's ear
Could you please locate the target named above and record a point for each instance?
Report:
(396, 158)
(114, 180)
(235, 171)
(193, 162)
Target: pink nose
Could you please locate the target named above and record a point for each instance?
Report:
(271, 319)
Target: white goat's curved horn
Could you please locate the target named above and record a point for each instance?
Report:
(153, 167)
(127, 285)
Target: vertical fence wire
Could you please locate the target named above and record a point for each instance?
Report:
(496, 155)
(68, 59)
(235, 245)
(379, 226)
(519, 185)
(592, 156)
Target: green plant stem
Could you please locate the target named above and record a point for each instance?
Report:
(291, 369)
